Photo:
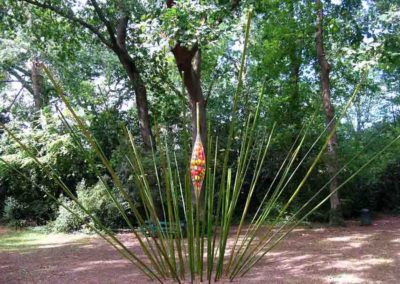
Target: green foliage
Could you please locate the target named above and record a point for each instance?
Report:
(283, 40)
(190, 23)
(65, 220)
(168, 259)
(14, 212)
(55, 149)
(280, 66)
(96, 200)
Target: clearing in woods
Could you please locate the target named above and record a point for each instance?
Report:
(324, 255)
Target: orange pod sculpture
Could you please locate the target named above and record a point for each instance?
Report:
(198, 160)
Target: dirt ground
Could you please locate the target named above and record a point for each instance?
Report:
(327, 255)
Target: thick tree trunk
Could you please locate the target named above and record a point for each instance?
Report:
(39, 97)
(188, 62)
(332, 162)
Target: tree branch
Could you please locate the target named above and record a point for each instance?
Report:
(121, 31)
(22, 70)
(106, 22)
(14, 100)
(69, 14)
(21, 80)
(209, 91)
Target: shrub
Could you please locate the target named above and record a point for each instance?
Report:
(13, 212)
(57, 150)
(96, 200)
(66, 222)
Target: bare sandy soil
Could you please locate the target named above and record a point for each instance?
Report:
(328, 255)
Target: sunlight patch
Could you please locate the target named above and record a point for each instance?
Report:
(396, 241)
(345, 278)
(349, 238)
(360, 264)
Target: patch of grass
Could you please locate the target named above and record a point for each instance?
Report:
(31, 238)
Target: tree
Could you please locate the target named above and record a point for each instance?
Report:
(188, 61)
(332, 163)
(115, 39)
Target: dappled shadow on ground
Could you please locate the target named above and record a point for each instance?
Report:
(92, 261)
(335, 255)
(326, 255)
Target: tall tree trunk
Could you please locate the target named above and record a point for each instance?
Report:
(332, 162)
(119, 47)
(39, 96)
(140, 96)
(294, 57)
(294, 90)
(295, 62)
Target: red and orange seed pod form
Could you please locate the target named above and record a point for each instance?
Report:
(198, 160)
